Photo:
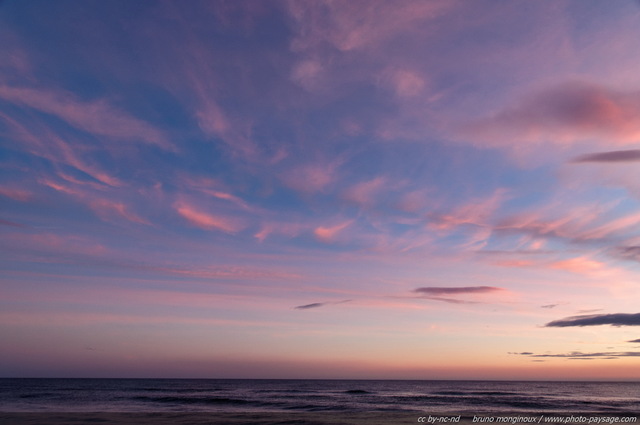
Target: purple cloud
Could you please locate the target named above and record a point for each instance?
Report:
(616, 319)
(578, 355)
(436, 291)
(565, 113)
(308, 306)
(629, 252)
(631, 155)
(318, 305)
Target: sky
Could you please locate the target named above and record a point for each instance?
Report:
(343, 189)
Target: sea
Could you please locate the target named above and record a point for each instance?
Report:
(222, 401)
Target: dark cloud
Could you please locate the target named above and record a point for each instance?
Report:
(628, 252)
(578, 355)
(631, 155)
(549, 306)
(307, 306)
(436, 291)
(318, 305)
(635, 340)
(616, 319)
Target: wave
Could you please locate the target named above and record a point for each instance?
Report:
(475, 393)
(35, 395)
(193, 400)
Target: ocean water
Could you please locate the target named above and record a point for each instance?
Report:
(288, 401)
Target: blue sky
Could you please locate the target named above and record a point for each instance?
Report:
(339, 189)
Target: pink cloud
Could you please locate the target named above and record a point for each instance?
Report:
(16, 194)
(63, 246)
(276, 228)
(213, 121)
(351, 25)
(404, 83)
(57, 147)
(579, 224)
(565, 114)
(477, 212)
(206, 220)
(311, 178)
(61, 188)
(619, 225)
(308, 74)
(580, 265)
(364, 193)
(220, 272)
(83, 318)
(329, 234)
(413, 201)
(516, 263)
(105, 209)
(95, 117)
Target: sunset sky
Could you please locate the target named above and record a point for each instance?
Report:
(428, 189)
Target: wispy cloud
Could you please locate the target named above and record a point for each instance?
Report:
(364, 193)
(206, 220)
(16, 194)
(106, 208)
(616, 319)
(476, 213)
(311, 178)
(318, 305)
(329, 234)
(438, 290)
(96, 117)
(578, 355)
(631, 155)
(11, 223)
(565, 114)
(357, 24)
(445, 294)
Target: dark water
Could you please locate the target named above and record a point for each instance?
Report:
(258, 396)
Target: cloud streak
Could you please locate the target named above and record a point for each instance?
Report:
(444, 294)
(206, 220)
(578, 355)
(318, 305)
(437, 290)
(616, 319)
(630, 155)
(95, 117)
